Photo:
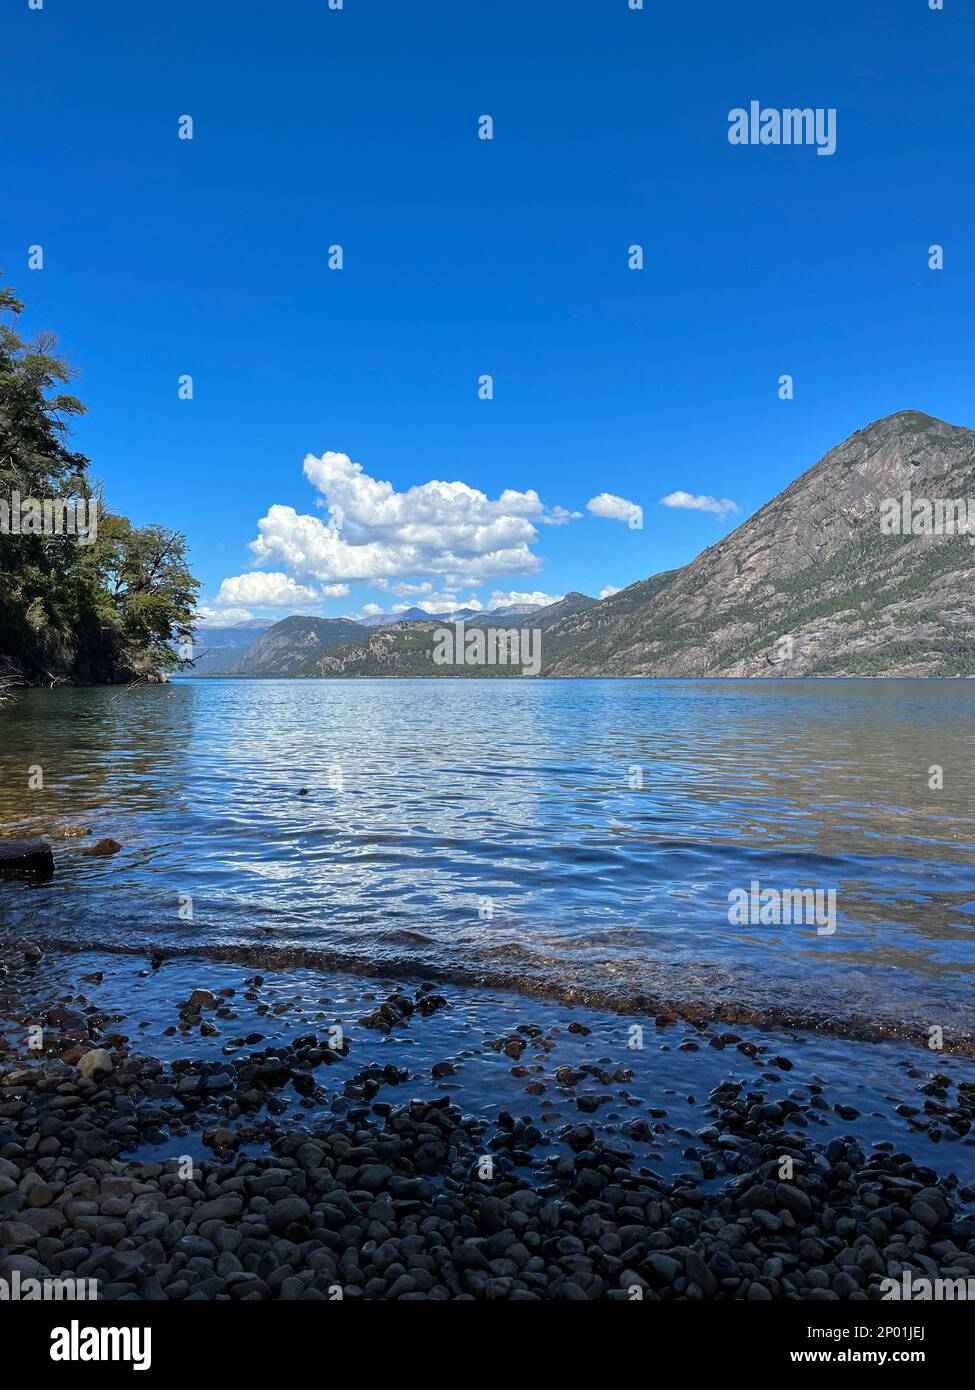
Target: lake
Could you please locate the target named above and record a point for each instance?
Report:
(573, 839)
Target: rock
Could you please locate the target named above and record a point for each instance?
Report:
(219, 1138)
(102, 847)
(925, 1214)
(374, 1176)
(202, 999)
(25, 859)
(289, 1209)
(24, 1265)
(590, 1104)
(17, 1233)
(665, 1268)
(226, 1208)
(467, 1255)
(20, 1076)
(387, 1200)
(699, 1274)
(95, 1064)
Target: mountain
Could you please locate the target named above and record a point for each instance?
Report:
(390, 619)
(234, 630)
(507, 610)
(399, 649)
(586, 624)
(417, 615)
(536, 616)
(377, 646)
(292, 643)
(406, 649)
(219, 648)
(809, 585)
(237, 635)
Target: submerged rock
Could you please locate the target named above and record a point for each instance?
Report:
(26, 859)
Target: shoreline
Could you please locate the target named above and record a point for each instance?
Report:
(531, 985)
(454, 1143)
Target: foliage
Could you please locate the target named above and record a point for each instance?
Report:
(69, 611)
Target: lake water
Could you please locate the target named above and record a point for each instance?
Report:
(576, 838)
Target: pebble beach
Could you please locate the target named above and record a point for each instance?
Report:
(193, 1130)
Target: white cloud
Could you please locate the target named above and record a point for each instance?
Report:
(559, 516)
(265, 590)
(335, 590)
(372, 610)
(374, 532)
(404, 590)
(719, 506)
(432, 605)
(502, 600)
(441, 603)
(222, 617)
(617, 509)
(608, 590)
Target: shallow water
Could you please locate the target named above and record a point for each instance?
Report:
(894, 1096)
(542, 835)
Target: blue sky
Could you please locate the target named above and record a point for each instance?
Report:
(464, 257)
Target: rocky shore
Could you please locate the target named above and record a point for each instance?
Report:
(291, 1168)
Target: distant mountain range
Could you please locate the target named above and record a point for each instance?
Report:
(809, 586)
(219, 648)
(414, 615)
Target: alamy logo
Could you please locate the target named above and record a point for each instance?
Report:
(77, 1343)
(928, 1290)
(928, 516)
(27, 1289)
(791, 126)
(50, 516)
(493, 646)
(756, 906)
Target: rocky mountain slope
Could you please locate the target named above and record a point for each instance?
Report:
(290, 644)
(533, 616)
(217, 649)
(407, 648)
(809, 585)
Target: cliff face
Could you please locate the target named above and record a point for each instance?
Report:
(290, 644)
(809, 585)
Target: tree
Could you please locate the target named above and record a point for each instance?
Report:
(105, 611)
(149, 586)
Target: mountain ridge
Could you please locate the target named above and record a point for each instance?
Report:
(812, 565)
(808, 585)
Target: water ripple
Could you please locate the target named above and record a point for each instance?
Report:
(585, 833)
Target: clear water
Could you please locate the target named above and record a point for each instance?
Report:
(497, 831)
